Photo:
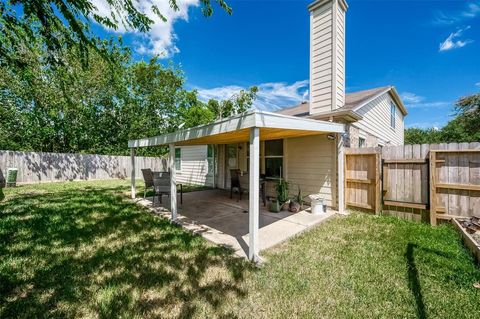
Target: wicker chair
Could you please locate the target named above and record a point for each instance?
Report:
(161, 186)
(148, 179)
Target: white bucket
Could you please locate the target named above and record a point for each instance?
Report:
(317, 205)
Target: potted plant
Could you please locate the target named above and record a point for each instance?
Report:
(273, 205)
(282, 193)
(296, 204)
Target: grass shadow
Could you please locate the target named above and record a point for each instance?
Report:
(414, 281)
(91, 253)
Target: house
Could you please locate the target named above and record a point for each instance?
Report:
(373, 117)
(303, 144)
(194, 165)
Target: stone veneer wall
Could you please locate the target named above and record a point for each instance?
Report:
(354, 135)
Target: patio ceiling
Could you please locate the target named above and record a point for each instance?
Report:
(237, 129)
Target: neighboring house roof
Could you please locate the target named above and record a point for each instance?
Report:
(353, 102)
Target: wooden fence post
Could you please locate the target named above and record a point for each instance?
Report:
(378, 189)
(433, 188)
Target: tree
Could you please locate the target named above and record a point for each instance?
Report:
(98, 108)
(58, 24)
(468, 110)
(95, 109)
(465, 127)
(236, 104)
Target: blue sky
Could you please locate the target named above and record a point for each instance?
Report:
(429, 50)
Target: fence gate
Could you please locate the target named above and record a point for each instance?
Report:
(362, 180)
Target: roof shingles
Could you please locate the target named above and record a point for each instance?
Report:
(352, 101)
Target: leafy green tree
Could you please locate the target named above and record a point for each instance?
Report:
(422, 136)
(58, 24)
(236, 104)
(465, 127)
(468, 110)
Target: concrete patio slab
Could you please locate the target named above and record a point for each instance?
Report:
(224, 221)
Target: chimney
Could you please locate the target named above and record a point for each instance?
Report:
(327, 55)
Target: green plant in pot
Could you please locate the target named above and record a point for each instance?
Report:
(282, 193)
(273, 205)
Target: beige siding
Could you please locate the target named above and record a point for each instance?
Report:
(310, 165)
(194, 168)
(340, 58)
(220, 160)
(327, 58)
(321, 59)
(376, 121)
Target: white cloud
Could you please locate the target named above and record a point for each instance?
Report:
(473, 9)
(470, 11)
(414, 101)
(408, 98)
(430, 105)
(477, 84)
(453, 41)
(271, 96)
(161, 38)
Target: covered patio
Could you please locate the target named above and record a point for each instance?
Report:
(252, 127)
(224, 221)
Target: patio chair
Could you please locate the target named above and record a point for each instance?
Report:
(235, 182)
(148, 179)
(161, 186)
(241, 183)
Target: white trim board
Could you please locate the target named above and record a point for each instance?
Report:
(249, 119)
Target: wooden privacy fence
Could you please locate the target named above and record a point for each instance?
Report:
(38, 167)
(362, 180)
(418, 182)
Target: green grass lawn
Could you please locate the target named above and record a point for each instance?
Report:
(82, 249)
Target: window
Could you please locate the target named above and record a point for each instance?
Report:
(274, 158)
(210, 159)
(393, 114)
(178, 159)
(361, 142)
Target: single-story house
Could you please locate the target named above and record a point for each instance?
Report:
(302, 144)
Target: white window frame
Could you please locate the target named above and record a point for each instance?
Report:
(211, 160)
(178, 160)
(393, 115)
(360, 144)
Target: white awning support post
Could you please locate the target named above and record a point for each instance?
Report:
(132, 158)
(173, 182)
(253, 200)
(341, 177)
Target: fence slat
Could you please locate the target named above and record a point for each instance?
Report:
(39, 167)
(412, 183)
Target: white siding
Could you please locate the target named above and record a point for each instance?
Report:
(194, 167)
(310, 164)
(376, 121)
(327, 58)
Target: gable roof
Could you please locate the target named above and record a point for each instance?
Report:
(353, 102)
